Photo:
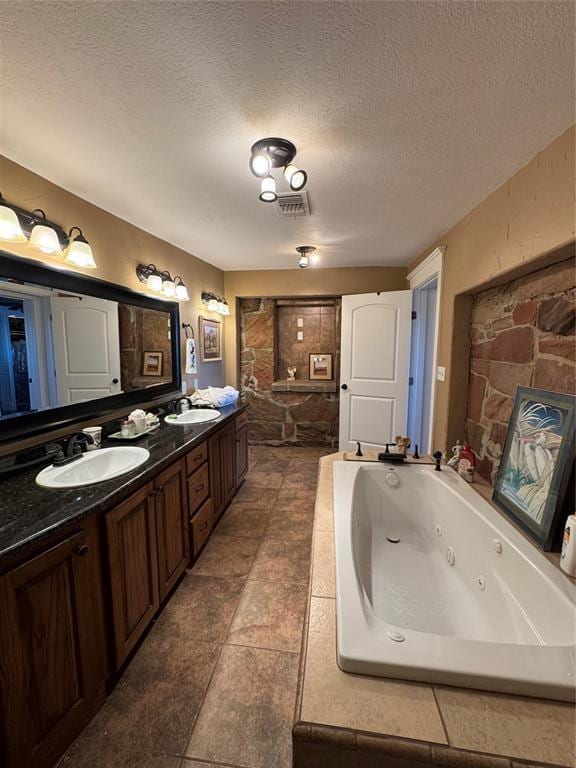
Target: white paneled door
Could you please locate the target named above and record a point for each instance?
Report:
(86, 348)
(375, 367)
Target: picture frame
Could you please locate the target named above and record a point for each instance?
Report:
(210, 339)
(537, 462)
(320, 367)
(152, 363)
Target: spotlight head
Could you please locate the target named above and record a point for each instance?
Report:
(298, 180)
(260, 164)
(268, 190)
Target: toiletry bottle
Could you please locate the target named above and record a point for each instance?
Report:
(568, 556)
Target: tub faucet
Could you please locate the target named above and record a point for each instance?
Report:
(437, 458)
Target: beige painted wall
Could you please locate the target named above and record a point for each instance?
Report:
(512, 231)
(118, 247)
(300, 282)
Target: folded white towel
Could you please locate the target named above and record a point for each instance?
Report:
(215, 397)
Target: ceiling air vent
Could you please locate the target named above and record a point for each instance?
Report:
(292, 204)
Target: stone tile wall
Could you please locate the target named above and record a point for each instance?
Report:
(522, 334)
(282, 418)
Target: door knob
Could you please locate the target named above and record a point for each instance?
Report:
(344, 386)
(114, 381)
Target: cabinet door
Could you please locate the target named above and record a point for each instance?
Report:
(133, 569)
(53, 660)
(228, 458)
(215, 461)
(171, 525)
(241, 454)
(201, 526)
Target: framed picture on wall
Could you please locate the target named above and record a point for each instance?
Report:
(152, 363)
(537, 462)
(320, 367)
(211, 339)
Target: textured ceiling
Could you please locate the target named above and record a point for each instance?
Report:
(405, 114)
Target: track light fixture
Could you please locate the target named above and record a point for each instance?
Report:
(162, 282)
(270, 153)
(215, 303)
(43, 236)
(306, 255)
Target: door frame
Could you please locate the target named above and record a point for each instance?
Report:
(429, 269)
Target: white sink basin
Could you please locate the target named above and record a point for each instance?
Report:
(93, 467)
(193, 417)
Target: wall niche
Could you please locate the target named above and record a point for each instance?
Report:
(285, 412)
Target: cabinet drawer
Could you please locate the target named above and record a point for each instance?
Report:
(196, 457)
(201, 526)
(241, 420)
(198, 488)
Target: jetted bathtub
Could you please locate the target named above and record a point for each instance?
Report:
(434, 585)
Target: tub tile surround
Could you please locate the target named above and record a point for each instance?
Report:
(352, 721)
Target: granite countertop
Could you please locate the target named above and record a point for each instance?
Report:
(346, 717)
(29, 512)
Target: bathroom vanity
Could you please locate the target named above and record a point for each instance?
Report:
(84, 571)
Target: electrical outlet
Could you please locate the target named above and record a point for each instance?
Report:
(300, 322)
(441, 373)
(300, 336)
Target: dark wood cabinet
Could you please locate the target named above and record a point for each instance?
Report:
(201, 526)
(133, 559)
(241, 454)
(222, 459)
(53, 663)
(171, 525)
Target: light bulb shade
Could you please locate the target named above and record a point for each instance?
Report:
(45, 240)
(303, 262)
(79, 253)
(154, 282)
(182, 292)
(10, 229)
(225, 308)
(268, 190)
(298, 180)
(168, 287)
(289, 171)
(260, 164)
(213, 304)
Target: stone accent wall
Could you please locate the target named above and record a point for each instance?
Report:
(279, 418)
(522, 334)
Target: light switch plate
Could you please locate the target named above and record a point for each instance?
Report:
(300, 335)
(441, 373)
(300, 322)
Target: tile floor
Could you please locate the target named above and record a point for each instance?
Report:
(214, 682)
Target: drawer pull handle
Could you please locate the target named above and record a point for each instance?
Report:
(199, 488)
(203, 526)
(82, 550)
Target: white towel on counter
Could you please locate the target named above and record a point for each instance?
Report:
(215, 397)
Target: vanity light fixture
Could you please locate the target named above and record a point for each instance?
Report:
(46, 237)
(215, 303)
(161, 282)
(79, 251)
(270, 153)
(306, 255)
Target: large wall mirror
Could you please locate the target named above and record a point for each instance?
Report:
(73, 347)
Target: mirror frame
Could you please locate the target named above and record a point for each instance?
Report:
(29, 271)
